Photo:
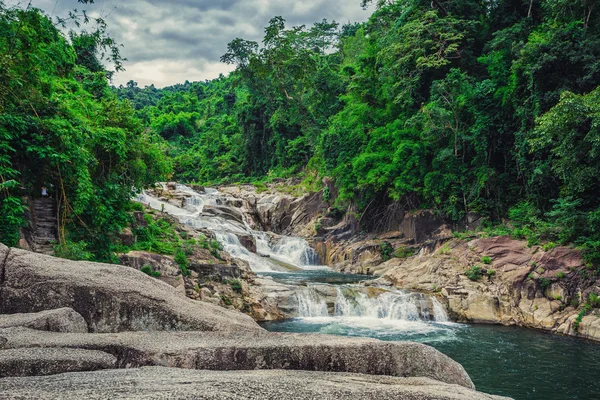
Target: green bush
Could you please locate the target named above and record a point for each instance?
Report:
(403, 252)
(491, 273)
(544, 282)
(73, 251)
(486, 260)
(181, 259)
(236, 285)
(474, 273)
(386, 251)
(444, 250)
(148, 270)
(594, 300)
(561, 275)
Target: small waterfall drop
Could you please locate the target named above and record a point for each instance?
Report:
(310, 304)
(351, 302)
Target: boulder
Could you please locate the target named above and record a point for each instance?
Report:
(41, 361)
(127, 237)
(60, 320)
(259, 350)
(110, 298)
(171, 383)
(248, 241)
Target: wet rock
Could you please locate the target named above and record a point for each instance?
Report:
(60, 320)
(248, 241)
(110, 298)
(259, 350)
(171, 383)
(43, 361)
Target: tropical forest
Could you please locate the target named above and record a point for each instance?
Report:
(429, 176)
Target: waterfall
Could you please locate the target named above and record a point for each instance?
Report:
(352, 302)
(310, 304)
(275, 253)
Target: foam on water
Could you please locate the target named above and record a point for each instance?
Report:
(275, 254)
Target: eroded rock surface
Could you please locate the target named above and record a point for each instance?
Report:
(110, 298)
(171, 383)
(261, 350)
(50, 361)
(520, 286)
(60, 320)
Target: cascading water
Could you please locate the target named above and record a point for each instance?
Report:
(206, 211)
(352, 302)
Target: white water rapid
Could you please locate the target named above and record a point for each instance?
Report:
(353, 302)
(221, 214)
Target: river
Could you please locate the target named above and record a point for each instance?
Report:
(510, 361)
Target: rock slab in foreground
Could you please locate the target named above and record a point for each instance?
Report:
(34, 362)
(110, 298)
(233, 351)
(170, 383)
(60, 320)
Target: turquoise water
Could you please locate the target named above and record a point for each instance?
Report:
(508, 361)
(320, 275)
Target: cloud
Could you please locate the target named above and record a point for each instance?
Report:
(167, 42)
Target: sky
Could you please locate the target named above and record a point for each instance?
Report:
(168, 42)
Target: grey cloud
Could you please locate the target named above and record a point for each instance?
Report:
(167, 42)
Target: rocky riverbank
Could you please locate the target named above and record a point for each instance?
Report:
(551, 290)
(115, 318)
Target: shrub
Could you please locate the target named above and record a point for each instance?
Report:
(491, 273)
(486, 260)
(147, 269)
(236, 285)
(582, 313)
(181, 259)
(561, 275)
(386, 251)
(76, 251)
(444, 250)
(326, 194)
(403, 252)
(474, 273)
(544, 282)
(549, 246)
(594, 300)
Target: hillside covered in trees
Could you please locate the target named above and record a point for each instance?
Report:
(62, 127)
(490, 107)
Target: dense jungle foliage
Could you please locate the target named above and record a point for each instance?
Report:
(62, 126)
(463, 106)
(484, 106)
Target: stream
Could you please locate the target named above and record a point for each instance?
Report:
(510, 361)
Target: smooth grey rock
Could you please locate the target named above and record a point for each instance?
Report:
(110, 298)
(171, 383)
(60, 320)
(40, 361)
(262, 350)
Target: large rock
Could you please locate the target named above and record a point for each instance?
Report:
(61, 320)
(170, 383)
(170, 272)
(40, 361)
(262, 350)
(520, 285)
(110, 298)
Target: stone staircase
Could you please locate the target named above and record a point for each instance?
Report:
(45, 225)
